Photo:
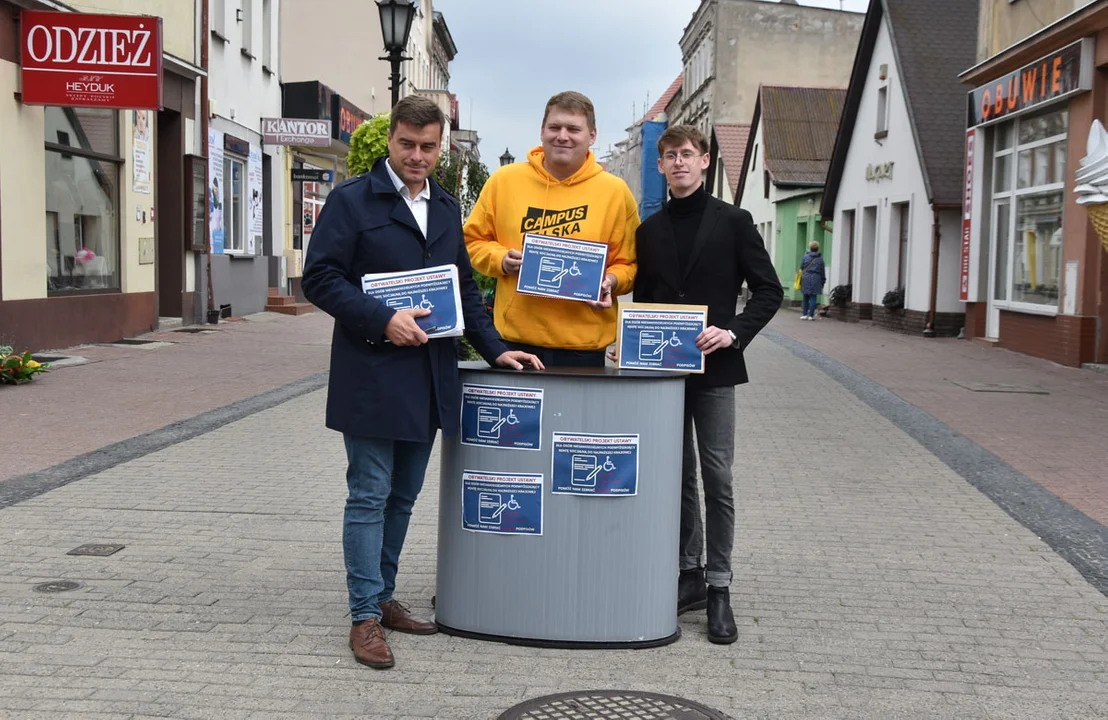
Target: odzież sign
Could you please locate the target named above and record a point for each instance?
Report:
(290, 131)
(80, 60)
(1058, 75)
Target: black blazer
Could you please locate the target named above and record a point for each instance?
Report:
(377, 389)
(727, 251)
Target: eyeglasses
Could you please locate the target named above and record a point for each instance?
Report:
(686, 156)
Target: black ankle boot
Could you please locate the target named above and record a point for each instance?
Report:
(721, 621)
(692, 592)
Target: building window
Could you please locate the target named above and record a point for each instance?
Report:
(82, 199)
(248, 27)
(234, 213)
(902, 213)
(882, 112)
(267, 33)
(1029, 178)
(219, 18)
(753, 159)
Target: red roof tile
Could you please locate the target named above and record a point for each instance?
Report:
(732, 138)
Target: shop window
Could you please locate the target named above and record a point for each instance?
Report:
(82, 199)
(234, 214)
(1029, 164)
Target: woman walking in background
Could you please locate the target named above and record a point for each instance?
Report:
(812, 279)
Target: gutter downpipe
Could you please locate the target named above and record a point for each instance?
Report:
(204, 105)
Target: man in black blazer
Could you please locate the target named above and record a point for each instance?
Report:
(391, 388)
(699, 251)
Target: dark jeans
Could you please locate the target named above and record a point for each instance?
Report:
(383, 478)
(555, 357)
(711, 411)
(808, 305)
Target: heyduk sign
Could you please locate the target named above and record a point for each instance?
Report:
(75, 59)
(291, 131)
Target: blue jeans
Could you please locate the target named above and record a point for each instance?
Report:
(383, 478)
(808, 307)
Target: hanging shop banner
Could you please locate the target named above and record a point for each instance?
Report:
(257, 206)
(434, 289)
(661, 337)
(562, 268)
(215, 190)
(141, 150)
(502, 416)
(587, 464)
(502, 503)
(82, 60)
(1062, 73)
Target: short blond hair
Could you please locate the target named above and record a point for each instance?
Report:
(814, 246)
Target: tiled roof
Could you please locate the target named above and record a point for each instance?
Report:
(929, 60)
(732, 138)
(659, 107)
(798, 132)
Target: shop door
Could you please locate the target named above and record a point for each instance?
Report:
(998, 270)
(313, 198)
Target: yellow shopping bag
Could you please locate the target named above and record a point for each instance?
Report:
(796, 283)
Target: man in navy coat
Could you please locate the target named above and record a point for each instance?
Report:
(391, 388)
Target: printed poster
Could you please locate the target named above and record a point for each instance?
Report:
(502, 503)
(254, 192)
(215, 190)
(599, 465)
(434, 289)
(562, 268)
(661, 337)
(502, 416)
(142, 146)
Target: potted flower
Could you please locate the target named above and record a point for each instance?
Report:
(18, 369)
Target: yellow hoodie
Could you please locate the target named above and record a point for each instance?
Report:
(589, 205)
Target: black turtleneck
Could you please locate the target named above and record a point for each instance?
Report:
(685, 215)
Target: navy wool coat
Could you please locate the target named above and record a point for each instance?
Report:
(377, 389)
(815, 274)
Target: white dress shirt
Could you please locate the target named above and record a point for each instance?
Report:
(418, 205)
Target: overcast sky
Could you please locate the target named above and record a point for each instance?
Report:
(514, 54)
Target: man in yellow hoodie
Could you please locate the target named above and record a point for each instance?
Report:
(561, 191)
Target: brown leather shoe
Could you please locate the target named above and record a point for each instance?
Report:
(395, 616)
(368, 643)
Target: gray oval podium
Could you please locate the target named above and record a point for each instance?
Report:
(604, 571)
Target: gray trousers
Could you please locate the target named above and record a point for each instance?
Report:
(711, 412)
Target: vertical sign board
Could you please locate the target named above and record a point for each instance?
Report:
(215, 191)
(82, 60)
(967, 216)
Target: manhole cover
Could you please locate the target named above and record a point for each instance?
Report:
(999, 388)
(611, 705)
(57, 586)
(97, 549)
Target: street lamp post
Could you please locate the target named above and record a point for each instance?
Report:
(507, 158)
(396, 24)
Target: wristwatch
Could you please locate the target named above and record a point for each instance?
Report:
(734, 340)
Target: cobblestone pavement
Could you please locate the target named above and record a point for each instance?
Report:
(124, 391)
(1052, 426)
(872, 581)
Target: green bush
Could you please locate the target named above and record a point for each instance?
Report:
(369, 142)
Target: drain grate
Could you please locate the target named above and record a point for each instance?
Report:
(611, 705)
(57, 586)
(133, 341)
(195, 330)
(96, 549)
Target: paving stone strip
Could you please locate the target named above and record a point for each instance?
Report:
(872, 581)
